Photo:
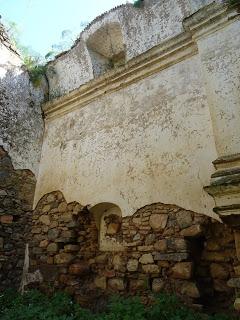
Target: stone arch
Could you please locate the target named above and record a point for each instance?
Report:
(106, 48)
(108, 218)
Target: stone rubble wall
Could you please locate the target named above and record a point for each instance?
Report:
(16, 198)
(165, 248)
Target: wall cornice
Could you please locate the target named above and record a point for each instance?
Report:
(210, 19)
(154, 60)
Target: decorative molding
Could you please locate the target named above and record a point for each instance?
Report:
(202, 23)
(154, 60)
(210, 19)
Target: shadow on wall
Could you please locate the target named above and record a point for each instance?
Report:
(16, 199)
(108, 217)
(106, 48)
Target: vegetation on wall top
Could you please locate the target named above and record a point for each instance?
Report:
(138, 3)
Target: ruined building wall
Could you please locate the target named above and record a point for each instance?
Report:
(145, 128)
(21, 129)
(144, 102)
(16, 198)
(21, 132)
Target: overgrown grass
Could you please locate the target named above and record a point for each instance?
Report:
(34, 305)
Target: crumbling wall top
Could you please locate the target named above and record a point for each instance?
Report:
(128, 31)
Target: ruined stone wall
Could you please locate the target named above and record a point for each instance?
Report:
(21, 129)
(164, 248)
(21, 132)
(16, 198)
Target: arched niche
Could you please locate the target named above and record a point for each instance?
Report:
(106, 48)
(108, 217)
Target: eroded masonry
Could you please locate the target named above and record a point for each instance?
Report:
(131, 182)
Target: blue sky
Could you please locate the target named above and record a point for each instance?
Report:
(41, 22)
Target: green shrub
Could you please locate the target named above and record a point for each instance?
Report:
(34, 305)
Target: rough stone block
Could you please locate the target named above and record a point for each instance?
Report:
(63, 258)
(150, 239)
(157, 285)
(78, 268)
(116, 284)
(53, 234)
(171, 256)
(158, 221)
(182, 270)
(119, 263)
(237, 270)
(137, 284)
(161, 245)
(234, 283)
(102, 258)
(184, 219)
(45, 220)
(71, 248)
(132, 265)
(145, 248)
(151, 268)
(101, 282)
(215, 256)
(190, 289)
(51, 198)
(66, 217)
(6, 219)
(52, 247)
(192, 232)
(146, 259)
(62, 207)
(46, 208)
(177, 245)
(237, 304)
(3, 193)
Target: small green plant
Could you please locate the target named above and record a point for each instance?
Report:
(233, 2)
(138, 3)
(35, 69)
(34, 305)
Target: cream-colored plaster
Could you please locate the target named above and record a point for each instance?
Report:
(149, 142)
(220, 56)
